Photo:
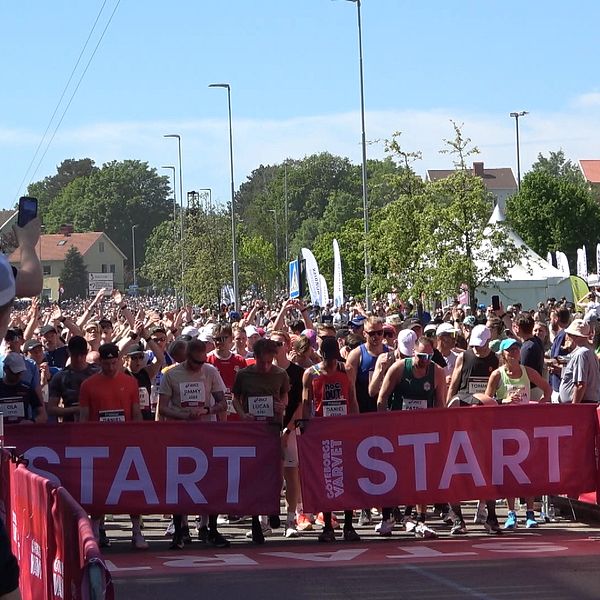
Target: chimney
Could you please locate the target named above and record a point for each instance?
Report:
(66, 230)
(478, 169)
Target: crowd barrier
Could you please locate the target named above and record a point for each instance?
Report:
(51, 537)
(382, 459)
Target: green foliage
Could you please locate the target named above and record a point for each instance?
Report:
(558, 166)
(74, 277)
(112, 199)
(162, 261)
(554, 213)
(258, 268)
(47, 190)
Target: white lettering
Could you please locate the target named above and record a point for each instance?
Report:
(217, 560)
(187, 480)
(460, 440)
(521, 547)
(425, 552)
(87, 454)
(374, 464)
(233, 456)
(132, 457)
(418, 441)
(51, 458)
(335, 556)
(513, 461)
(553, 434)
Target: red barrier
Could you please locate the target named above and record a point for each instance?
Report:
(159, 467)
(447, 455)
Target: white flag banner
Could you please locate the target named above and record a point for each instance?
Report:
(562, 264)
(581, 263)
(549, 258)
(338, 284)
(598, 261)
(324, 291)
(312, 276)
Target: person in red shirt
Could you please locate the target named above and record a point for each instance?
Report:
(111, 396)
(227, 363)
(327, 391)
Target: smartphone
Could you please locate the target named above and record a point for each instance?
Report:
(496, 302)
(28, 208)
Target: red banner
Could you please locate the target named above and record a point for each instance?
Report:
(447, 455)
(185, 468)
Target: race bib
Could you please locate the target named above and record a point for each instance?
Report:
(413, 404)
(192, 394)
(261, 406)
(335, 408)
(144, 398)
(229, 398)
(112, 416)
(520, 391)
(477, 385)
(12, 408)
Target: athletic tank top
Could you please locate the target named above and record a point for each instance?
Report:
(507, 386)
(366, 367)
(414, 393)
(330, 391)
(476, 372)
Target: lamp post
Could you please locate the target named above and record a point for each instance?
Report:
(133, 227)
(236, 292)
(174, 202)
(516, 116)
(364, 162)
(178, 137)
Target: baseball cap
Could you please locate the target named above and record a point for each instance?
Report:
(395, 320)
(406, 342)
(7, 281)
(509, 343)
(251, 330)
(14, 362)
(190, 330)
(311, 334)
(445, 328)
(470, 321)
(358, 321)
(205, 334)
(108, 351)
(47, 329)
(413, 322)
(29, 345)
(430, 330)
(579, 328)
(480, 336)
(135, 349)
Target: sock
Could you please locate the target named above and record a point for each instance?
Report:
(290, 518)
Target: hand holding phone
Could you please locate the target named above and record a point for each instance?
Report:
(28, 208)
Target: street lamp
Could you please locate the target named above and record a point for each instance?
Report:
(174, 201)
(516, 116)
(364, 162)
(178, 137)
(133, 256)
(236, 292)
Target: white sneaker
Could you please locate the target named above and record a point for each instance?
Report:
(170, 530)
(422, 531)
(265, 529)
(481, 515)
(385, 528)
(139, 542)
(408, 524)
(291, 531)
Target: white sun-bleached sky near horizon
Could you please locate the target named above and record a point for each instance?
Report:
(293, 70)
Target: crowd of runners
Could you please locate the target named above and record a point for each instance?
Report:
(117, 358)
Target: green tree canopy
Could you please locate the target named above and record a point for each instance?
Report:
(558, 166)
(74, 277)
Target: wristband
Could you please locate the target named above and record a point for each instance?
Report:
(286, 431)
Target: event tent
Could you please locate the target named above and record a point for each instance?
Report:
(530, 281)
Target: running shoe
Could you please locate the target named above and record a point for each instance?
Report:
(170, 530)
(327, 535)
(422, 531)
(103, 540)
(320, 520)
(365, 517)
(530, 521)
(481, 515)
(176, 543)
(493, 527)
(458, 528)
(203, 534)
(408, 523)
(303, 522)
(274, 521)
(291, 531)
(264, 528)
(384, 528)
(350, 534)
(511, 520)
(216, 540)
(448, 518)
(139, 542)
(256, 534)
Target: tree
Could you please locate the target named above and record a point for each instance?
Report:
(112, 199)
(558, 166)
(47, 190)
(162, 260)
(74, 277)
(258, 269)
(554, 213)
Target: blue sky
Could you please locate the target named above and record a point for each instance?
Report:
(293, 68)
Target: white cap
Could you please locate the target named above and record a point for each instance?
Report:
(205, 334)
(406, 342)
(480, 336)
(251, 330)
(190, 330)
(430, 327)
(445, 328)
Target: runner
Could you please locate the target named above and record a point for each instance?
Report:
(18, 402)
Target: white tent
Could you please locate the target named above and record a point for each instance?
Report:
(530, 281)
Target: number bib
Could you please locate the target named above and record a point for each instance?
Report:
(477, 385)
(112, 416)
(335, 408)
(192, 394)
(520, 390)
(144, 398)
(229, 398)
(261, 406)
(12, 408)
(413, 404)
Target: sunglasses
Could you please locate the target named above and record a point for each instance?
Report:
(424, 356)
(378, 332)
(158, 340)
